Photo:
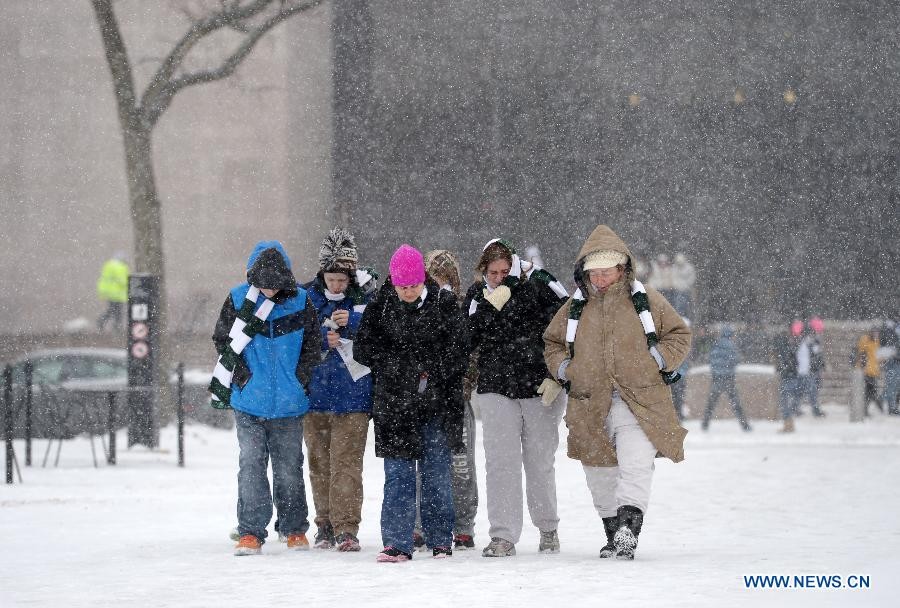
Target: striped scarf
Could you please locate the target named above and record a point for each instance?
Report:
(535, 273)
(247, 324)
(641, 307)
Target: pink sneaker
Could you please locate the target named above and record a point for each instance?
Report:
(393, 555)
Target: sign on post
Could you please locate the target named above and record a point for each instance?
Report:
(143, 295)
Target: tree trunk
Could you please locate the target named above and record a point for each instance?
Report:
(148, 244)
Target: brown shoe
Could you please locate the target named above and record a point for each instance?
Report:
(297, 542)
(248, 545)
(788, 426)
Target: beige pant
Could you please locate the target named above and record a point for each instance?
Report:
(335, 444)
(629, 482)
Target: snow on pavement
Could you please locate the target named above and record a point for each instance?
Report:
(824, 501)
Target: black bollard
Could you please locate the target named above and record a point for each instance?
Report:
(29, 400)
(111, 428)
(7, 400)
(180, 413)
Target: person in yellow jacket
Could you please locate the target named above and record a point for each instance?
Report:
(112, 288)
(867, 359)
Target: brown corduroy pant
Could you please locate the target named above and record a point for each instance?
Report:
(335, 444)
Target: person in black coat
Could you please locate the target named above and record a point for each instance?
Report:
(413, 338)
(784, 354)
(508, 312)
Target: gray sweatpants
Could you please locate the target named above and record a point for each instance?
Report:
(520, 433)
(629, 482)
(462, 476)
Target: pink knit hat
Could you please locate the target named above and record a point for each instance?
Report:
(407, 266)
(817, 325)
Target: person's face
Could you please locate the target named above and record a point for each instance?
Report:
(602, 278)
(496, 272)
(336, 282)
(269, 292)
(441, 281)
(409, 293)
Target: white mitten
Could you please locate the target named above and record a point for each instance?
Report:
(498, 297)
(549, 390)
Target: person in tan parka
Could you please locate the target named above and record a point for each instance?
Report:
(617, 364)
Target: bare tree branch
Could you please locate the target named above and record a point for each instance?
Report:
(117, 58)
(199, 29)
(159, 94)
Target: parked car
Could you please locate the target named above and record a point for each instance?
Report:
(71, 387)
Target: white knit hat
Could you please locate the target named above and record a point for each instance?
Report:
(605, 258)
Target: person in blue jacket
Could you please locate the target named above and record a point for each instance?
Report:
(337, 424)
(723, 361)
(268, 341)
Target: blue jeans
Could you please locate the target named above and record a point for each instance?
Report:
(398, 511)
(723, 384)
(788, 396)
(282, 438)
(891, 384)
(808, 387)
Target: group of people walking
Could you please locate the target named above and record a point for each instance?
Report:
(415, 355)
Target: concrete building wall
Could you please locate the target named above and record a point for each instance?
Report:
(236, 161)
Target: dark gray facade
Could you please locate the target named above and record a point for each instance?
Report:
(760, 139)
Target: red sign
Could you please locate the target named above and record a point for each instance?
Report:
(139, 350)
(140, 331)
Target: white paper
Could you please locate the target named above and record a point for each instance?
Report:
(345, 350)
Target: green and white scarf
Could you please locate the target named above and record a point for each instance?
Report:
(641, 307)
(536, 273)
(247, 324)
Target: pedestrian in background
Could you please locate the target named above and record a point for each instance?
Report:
(684, 275)
(810, 363)
(890, 346)
(723, 360)
(112, 288)
(784, 355)
(867, 359)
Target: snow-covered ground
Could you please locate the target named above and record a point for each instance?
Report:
(824, 501)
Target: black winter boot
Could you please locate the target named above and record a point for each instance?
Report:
(610, 525)
(630, 520)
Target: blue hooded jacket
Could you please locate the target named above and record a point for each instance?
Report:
(332, 389)
(272, 356)
(723, 358)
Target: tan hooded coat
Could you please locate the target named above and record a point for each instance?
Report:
(611, 352)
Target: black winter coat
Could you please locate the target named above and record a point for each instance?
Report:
(403, 345)
(510, 341)
(785, 355)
